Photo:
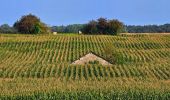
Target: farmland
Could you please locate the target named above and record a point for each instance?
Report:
(39, 66)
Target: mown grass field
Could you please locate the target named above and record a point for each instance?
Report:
(39, 67)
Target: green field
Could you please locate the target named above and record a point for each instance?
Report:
(39, 67)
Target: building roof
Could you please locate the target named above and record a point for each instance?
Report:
(91, 57)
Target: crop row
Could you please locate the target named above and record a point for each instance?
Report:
(88, 72)
(67, 49)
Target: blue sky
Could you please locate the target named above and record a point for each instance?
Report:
(64, 12)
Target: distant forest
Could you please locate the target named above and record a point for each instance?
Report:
(75, 28)
(127, 28)
(148, 29)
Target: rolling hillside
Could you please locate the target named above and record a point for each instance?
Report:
(44, 62)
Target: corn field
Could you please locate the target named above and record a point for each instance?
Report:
(39, 67)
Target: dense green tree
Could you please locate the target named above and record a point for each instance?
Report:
(114, 27)
(103, 26)
(91, 27)
(30, 24)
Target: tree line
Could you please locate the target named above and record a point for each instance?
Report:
(100, 26)
(75, 28)
(148, 28)
(31, 24)
(165, 28)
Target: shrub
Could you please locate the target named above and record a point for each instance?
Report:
(111, 53)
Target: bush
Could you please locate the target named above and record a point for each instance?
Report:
(111, 53)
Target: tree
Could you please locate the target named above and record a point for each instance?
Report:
(30, 24)
(103, 26)
(115, 27)
(91, 27)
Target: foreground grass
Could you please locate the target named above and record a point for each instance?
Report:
(118, 88)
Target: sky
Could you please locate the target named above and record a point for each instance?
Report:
(64, 12)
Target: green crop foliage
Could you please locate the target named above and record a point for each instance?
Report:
(39, 67)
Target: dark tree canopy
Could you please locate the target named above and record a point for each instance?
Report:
(91, 27)
(114, 26)
(103, 26)
(30, 24)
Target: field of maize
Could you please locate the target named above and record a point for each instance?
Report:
(39, 67)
